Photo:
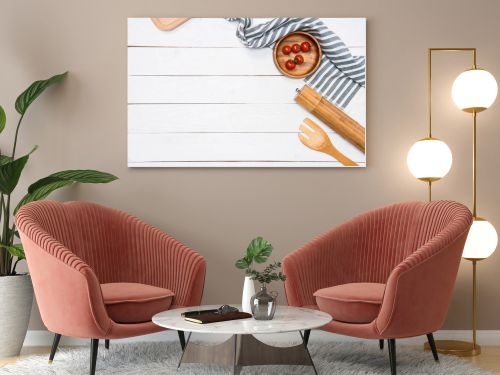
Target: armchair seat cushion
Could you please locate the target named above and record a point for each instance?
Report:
(351, 303)
(135, 303)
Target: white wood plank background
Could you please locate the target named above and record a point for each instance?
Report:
(237, 118)
(217, 32)
(198, 97)
(271, 147)
(193, 61)
(212, 89)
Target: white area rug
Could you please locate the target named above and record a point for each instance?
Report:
(162, 358)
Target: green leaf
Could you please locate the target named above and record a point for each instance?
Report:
(259, 250)
(242, 264)
(15, 250)
(10, 172)
(43, 187)
(260, 258)
(29, 95)
(85, 176)
(42, 193)
(3, 119)
(4, 159)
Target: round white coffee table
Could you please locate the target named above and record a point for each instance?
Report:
(242, 348)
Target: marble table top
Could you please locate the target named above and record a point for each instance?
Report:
(286, 319)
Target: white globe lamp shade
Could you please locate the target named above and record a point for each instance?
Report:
(481, 241)
(429, 159)
(474, 90)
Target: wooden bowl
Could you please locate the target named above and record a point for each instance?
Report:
(312, 59)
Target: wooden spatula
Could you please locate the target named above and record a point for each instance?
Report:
(167, 24)
(317, 139)
(333, 117)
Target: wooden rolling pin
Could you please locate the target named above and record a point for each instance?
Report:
(332, 116)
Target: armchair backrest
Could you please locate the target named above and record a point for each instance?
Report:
(370, 246)
(386, 236)
(379, 241)
(92, 232)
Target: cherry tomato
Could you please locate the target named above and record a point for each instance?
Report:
(290, 64)
(305, 46)
(299, 59)
(295, 48)
(286, 50)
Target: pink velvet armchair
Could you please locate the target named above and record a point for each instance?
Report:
(385, 274)
(99, 273)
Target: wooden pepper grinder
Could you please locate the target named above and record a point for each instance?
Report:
(332, 116)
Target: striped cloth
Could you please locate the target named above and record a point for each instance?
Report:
(340, 74)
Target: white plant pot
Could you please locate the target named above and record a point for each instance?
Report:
(248, 292)
(16, 298)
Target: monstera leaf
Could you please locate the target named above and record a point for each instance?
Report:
(43, 187)
(242, 263)
(31, 93)
(258, 250)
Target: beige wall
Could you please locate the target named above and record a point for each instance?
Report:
(83, 124)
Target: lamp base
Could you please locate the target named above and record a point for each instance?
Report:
(456, 348)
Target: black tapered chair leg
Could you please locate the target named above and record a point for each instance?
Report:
(381, 344)
(182, 339)
(94, 346)
(432, 344)
(106, 344)
(392, 355)
(55, 344)
(307, 333)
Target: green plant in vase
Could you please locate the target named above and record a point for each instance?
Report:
(262, 305)
(269, 274)
(16, 292)
(258, 251)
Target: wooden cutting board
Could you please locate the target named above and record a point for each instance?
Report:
(167, 24)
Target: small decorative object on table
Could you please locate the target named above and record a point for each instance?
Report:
(263, 303)
(258, 250)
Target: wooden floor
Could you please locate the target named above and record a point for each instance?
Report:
(488, 360)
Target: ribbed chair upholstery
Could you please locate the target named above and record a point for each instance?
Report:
(79, 252)
(385, 274)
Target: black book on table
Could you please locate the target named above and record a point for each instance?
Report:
(197, 312)
(214, 316)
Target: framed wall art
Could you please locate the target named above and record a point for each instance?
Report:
(246, 92)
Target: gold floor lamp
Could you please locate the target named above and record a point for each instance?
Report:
(430, 159)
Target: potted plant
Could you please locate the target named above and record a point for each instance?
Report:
(258, 251)
(16, 291)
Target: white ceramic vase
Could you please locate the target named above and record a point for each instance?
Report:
(16, 298)
(248, 292)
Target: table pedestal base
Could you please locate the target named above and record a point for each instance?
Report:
(246, 350)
